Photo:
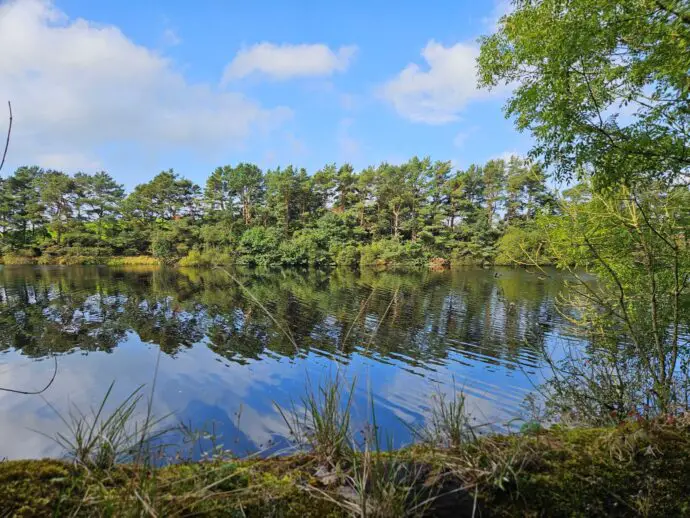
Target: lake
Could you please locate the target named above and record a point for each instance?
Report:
(223, 354)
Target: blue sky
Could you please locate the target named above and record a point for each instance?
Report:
(137, 87)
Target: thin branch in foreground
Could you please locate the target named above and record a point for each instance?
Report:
(35, 392)
(285, 330)
(9, 132)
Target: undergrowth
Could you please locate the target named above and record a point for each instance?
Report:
(638, 469)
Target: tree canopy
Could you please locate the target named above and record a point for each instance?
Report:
(388, 214)
(602, 86)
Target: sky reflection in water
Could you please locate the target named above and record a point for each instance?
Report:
(223, 362)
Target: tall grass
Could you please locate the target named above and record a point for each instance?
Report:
(448, 424)
(18, 258)
(101, 440)
(374, 482)
(323, 422)
(385, 484)
(361, 478)
(388, 485)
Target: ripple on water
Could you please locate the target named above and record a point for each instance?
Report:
(403, 337)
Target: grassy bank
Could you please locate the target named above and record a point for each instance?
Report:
(78, 260)
(638, 469)
(210, 260)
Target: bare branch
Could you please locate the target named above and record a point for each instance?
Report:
(9, 132)
(35, 392)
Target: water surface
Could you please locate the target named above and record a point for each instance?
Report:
(223, 362)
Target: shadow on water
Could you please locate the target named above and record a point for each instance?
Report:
(405, 333)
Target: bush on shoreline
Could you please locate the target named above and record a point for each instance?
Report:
(349, 257)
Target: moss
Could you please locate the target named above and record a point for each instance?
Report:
(636, 469)
(627, 471)
(37, 488)
(243, 488)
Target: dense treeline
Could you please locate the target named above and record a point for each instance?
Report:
(390, 214)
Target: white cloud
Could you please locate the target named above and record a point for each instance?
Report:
(287, 61)
(77, 86)
(436, 95)
(349, 102)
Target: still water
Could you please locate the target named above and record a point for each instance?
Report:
(223, 362)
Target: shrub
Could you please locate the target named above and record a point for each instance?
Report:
(346, 255)
(470, 254)
(259, 246)
(308, 247)
(19, 257)
(219, 235)
(293, 254)
(391, 252)
(193, 258)
(520, 245)
(208, 257)
(439, 264)
(163, 247)
(136, 260)
(74, 260)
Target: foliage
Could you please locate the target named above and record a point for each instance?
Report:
(521, 245)
(391, 252)
(389, 215)
(259, 246)
(346, 255)
(603, 88)
(601, 85)
(636, 315)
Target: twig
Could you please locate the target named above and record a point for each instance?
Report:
(33, 393)
(286, 331)
(9, 132)
(383, 317)
(361, 311)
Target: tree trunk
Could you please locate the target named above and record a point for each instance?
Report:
(245, 211)
(396, 221)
